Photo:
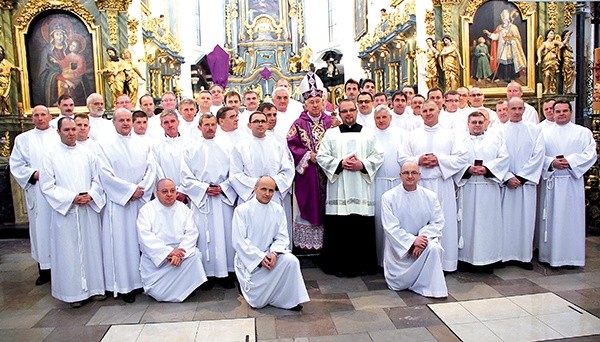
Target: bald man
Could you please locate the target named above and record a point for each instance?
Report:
(268, 273)
(413, 221)
(525, 145)
(127, 174)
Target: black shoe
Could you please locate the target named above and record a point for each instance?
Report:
(41, 280)
(526, 266)
(226, 283)
(76, 305)
(297, 308)
(207, 285)
(190, 296)
(129, 297)
(45, 276)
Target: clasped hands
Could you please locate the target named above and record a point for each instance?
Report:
(352, 163)
(269, 261)
(138, 193)
(82, 199)
(560, 163)
(418, 246)
(213, 190)
(176, 256)
(477, 170)
(428, 160)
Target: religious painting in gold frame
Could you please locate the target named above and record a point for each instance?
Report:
(498, 45)
(360, 18)
(263, 20)
(46, 74)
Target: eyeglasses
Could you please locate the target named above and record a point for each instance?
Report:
(477, 122)
(363, 101)
(351, 110)
(259, 121)
(476, 94)
(406, 173)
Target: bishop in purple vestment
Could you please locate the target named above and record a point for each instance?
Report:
(304, 138)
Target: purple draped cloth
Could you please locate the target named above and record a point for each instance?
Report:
(218, 63)
(306, 135)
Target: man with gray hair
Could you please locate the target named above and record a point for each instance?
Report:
(100, 128)
(286, 115)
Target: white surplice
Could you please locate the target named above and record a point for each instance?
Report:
(91, 145)
(452, 157)
(406, 121)
(25, 160)
(387, 177)
(229, 139)
(125, 164)
(76, 243)
(480, 201)
(100, 128)
(525, 147)
(562, 232)
(256, 157)
(349, 192)
(405, 216)
(189, 129)
(259, 229)
(167, 154)
(366, 120)
(206, 163)
(285, 120)
(530, 114)
(161, 229)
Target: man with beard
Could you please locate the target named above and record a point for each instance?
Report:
(100, 128)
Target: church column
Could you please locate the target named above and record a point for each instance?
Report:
(580, 67)
(114, 24)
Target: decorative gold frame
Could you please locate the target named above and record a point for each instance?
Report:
(249, 28)
(22, 22)
(528, 14)
(360, 17)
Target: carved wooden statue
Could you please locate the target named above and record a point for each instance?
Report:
(5, 72)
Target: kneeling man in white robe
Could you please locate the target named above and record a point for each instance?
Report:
(412, 221)
(268, 273)
(171, 264)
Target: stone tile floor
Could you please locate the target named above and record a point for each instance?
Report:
(502, 306)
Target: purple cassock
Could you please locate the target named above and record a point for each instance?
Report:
(305, 135)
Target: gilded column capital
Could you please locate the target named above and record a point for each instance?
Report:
(118, 5)
(6, 4)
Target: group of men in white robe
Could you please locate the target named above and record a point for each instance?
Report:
(224, 168)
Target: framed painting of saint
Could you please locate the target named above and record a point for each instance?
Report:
(498, 47)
